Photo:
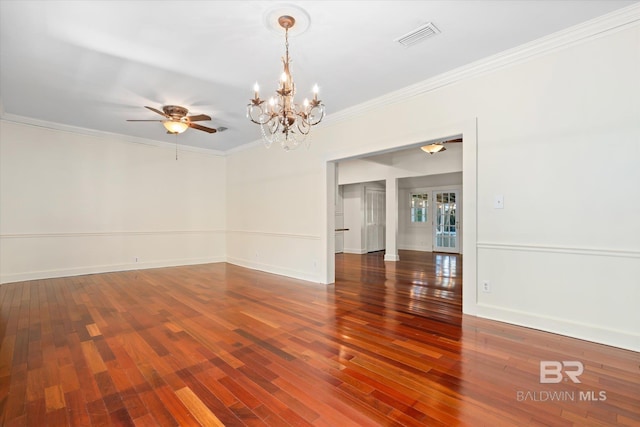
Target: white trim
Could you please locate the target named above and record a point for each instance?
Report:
(536, 48)
(357, 251)
(583, 331)
(272, 234)
(106, 234)
(585, 31)
(247, 146)
(108, 268)
(391, 257)
(274, 269)
(414, 248)
(559, 249)
(28, 121)
(593, 28)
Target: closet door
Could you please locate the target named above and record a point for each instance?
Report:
(375, 219)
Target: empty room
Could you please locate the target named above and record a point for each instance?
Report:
(319, 213)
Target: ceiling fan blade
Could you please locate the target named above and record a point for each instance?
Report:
(157, 111)
(199, 118)
(145, 120)
(453, 140)
(204, 128)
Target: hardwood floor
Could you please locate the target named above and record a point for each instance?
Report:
(218, 344)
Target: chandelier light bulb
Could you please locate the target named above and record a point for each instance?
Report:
(256, 89)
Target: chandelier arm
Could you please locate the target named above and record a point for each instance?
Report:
(302, 123)
(251, 109)
(315, 111)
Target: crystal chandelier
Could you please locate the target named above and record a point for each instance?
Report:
(281, 120)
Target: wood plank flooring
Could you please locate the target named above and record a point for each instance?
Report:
(217, 344)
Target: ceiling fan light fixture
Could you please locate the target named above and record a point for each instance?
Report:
(433, 148)
(175, 126)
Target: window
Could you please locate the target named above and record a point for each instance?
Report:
(419, 207)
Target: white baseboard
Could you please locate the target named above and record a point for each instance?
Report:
(96, 269)
(414, 248)
(358, 251)
(274, 269)
(593, 333)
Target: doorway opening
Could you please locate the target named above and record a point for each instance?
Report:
(452, 218)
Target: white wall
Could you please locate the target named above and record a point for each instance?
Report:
(274, 222)
(557, 259)
(76, 204)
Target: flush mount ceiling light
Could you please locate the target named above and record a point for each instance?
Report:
(437, 147)
(281, 120)
(433, 148)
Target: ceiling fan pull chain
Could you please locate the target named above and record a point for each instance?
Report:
(176, 146)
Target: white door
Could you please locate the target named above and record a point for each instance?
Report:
(446, 236)
(340, 230)
(375, 219)
(339, 220)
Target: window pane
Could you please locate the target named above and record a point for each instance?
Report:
(419, 207)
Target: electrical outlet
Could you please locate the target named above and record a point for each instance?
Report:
(486, 286)
(136, 259)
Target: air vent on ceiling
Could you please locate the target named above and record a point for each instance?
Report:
(412, 37)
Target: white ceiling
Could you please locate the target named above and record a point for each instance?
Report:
(94, 64)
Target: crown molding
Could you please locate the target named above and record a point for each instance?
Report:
(13, 118)
(243, 147)
(588, 30)
(597, 27)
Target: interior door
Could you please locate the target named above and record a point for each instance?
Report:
(340, 230)
(446, 237)
(375, 219)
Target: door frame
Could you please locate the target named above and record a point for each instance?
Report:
(428, 227)
(468, 129)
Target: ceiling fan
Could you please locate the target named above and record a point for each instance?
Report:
(437, 147)
(176, 119)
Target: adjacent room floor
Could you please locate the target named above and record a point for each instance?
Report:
(219, 344)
